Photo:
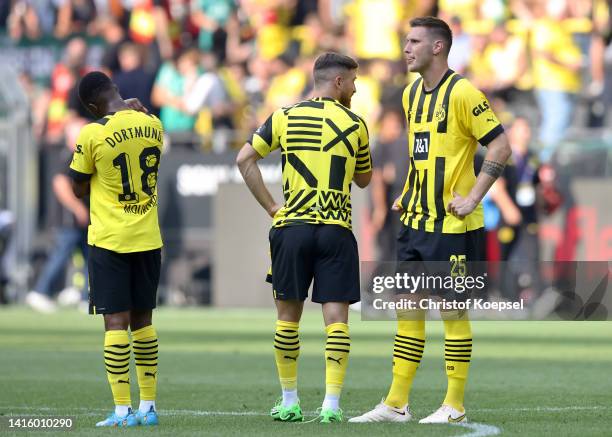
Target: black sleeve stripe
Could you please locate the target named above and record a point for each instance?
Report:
(493, 133)
(78, 176)
(265, 131)
(363, 167)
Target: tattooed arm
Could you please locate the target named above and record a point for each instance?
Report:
(494, 162)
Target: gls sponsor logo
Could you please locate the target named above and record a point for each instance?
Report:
(479, 109)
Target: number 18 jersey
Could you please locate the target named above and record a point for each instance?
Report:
(120, 155)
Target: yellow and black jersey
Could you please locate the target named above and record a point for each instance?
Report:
(120, 155)
(445, 126)
(323, 144)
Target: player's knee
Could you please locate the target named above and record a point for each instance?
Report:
(117, 321)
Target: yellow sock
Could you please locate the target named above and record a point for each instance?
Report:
(457, 354)
(145, 355)
(337, 351)
(117, 362)
(407, 353)
(286, 353)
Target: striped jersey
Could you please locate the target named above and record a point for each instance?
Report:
(323, 144)
(120, 154)
(444, 127)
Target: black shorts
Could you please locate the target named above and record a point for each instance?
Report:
(122, 281)
(435, 254)
(326, 253)
(416, 245)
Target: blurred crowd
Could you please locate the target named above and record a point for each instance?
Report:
(215, 69)
(218, 67)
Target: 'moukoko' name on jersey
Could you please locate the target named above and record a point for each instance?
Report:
(120, 155)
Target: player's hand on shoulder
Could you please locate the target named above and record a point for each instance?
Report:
(135, 104)
(461, 206)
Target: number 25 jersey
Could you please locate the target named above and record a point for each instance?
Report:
(445, 126)
(120, 155)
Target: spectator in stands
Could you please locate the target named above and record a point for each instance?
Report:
(63, 82)
(168, 93)
(114, 37)
(373, 29)
(388, 176)
(71, 223)
(132, 79)
(74, 16)
(556, 68)
(461, 50)
(211, 17)
(206, 97)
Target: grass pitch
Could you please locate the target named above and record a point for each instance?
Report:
(217, 375)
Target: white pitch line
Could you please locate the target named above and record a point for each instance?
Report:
(478, 429)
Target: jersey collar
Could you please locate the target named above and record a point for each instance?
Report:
(448, 74)
(327, 99)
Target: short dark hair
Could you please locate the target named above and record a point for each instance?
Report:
(329, 61)
(92, 85)
(436, 26)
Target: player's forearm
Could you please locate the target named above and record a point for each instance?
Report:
(252, 177)
(494, 162)
(65, 194)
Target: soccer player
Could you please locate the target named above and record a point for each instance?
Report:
(116, 160)
(324, 148)
(442, 219)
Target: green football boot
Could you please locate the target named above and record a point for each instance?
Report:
(328, 415)
(286, 414)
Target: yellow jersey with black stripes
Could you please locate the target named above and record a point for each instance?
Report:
(120, 155)
(445, 126)
(323, 144)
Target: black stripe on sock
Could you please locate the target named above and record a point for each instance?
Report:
(286, 336)
(287, 349)
(138, 354)
(287, 343)
(410, 338)
(118, 373)
(140, 348)
(117, 367)
(106, 351)
(419, 346)
(465, 339)
(399, 346)
(407, 359)
(125, 360)
(145, 342)
(459, 361)
(120, 346)
(409, 354)
(341, 337)
(337, 350)
(339, 343)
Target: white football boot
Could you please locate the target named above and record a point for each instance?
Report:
(384, 413)
(445, 414)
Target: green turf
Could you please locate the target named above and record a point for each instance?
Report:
(527, 378)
